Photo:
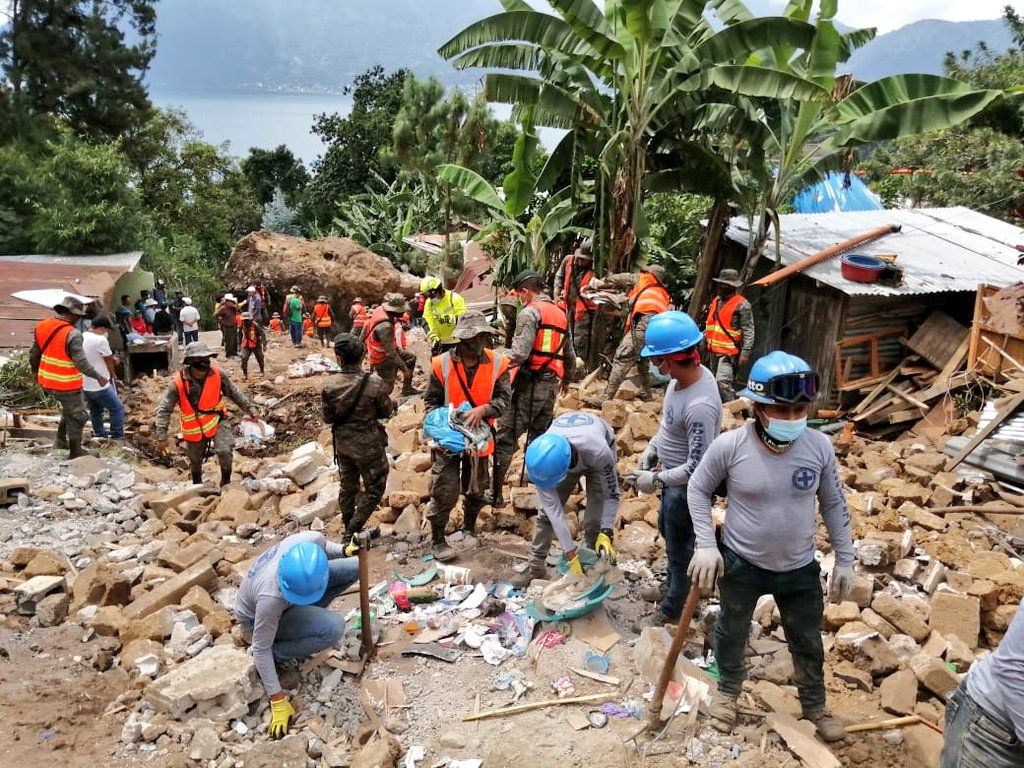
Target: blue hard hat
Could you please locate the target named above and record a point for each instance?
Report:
(302, 573)
(780, 377)
(670, 332)
(547, 460)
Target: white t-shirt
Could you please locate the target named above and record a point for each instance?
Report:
(96, 347)
(189, 318)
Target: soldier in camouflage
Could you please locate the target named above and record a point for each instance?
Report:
(353, 403)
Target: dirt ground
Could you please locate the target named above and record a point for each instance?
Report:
(61, 709)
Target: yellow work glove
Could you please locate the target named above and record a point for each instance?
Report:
(352, 548)
(604, 545)
(574, 564)
(281, 712)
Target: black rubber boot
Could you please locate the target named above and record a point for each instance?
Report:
(197, 476)
(442, 552)
(225, 475)
(76, 449)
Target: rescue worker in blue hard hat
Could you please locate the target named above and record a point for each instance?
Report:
(283, 603)
(774, 470)
(691, 417)
(576, 445)
(441, 312)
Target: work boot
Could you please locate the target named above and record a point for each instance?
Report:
(76, 449)
(828, 727)
(533, 571)
(197, 476)
(225, 476)
(591, 401)
(652, 592)
(722, 710)
(441, 551)
(60, 444)
(496, 500)
(644, 395)
(657, 619)
(408, 390)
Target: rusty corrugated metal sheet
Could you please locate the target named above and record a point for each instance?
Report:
(18, 318)
(939, 249)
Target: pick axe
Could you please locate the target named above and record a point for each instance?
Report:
(363, 539)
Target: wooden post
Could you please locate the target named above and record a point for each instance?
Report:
(654, 710)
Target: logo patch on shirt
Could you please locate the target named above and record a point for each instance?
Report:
(574, 420)
(804, 479)
(670, 415)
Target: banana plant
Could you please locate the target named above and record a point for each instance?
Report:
(618, 76)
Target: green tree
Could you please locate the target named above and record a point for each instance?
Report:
(354, 141)
(70, 59)
(271, 170)
(89, 203)
(20, 189)
(278, 216)
(675, 234)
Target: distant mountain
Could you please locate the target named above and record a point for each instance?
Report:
(921, 46)
(320, 45)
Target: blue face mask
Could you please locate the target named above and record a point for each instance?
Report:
(784, 430)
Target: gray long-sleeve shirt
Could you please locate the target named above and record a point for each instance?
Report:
(195, 389)
(526, 331)
(76, 351)
(997, 681)
(260, 603)
(770, 518)
(593, 442)
(690, 419)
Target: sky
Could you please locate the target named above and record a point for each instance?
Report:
(888, 15)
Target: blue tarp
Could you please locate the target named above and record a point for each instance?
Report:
(829, 196)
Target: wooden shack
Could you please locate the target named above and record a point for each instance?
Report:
(854, 333)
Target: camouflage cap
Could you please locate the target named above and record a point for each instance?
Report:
(394, 303)
(72, 305)
(198, 349)
(471, 324)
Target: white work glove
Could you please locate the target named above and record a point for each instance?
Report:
(650, 458)
(841, 583)
(705, 568)
(645, 481)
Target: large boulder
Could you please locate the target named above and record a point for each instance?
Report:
(336, 266)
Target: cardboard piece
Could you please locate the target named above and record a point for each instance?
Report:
(595, 630)
(578, 720)
(387, 691)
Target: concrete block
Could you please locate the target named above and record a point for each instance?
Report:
(931, 576)
(934, 675)
(10, 487)
(160, 504)
(303, 471)
(838, 614)
(898, 692)
(863, 589)
(52, 609)
(959, 615)
(29, 593)
(901, 615)
(220, 675)
(173, 589)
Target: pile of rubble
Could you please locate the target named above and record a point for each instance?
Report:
(150, 567)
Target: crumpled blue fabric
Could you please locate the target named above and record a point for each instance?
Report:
(438, 426)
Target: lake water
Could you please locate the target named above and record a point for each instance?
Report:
(267, 119)
(258, 119)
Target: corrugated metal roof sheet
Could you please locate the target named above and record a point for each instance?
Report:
(939, 249)
(84, 275)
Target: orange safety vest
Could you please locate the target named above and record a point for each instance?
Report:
(250, 336)
(582, 305)
(457, 390)
(275, 325)
(359, 315)
(307, 327)
(56, 372)
(197, 424)
(322, 315)
(375, 350)
(648, 297)
(722, 337)
(550, 341)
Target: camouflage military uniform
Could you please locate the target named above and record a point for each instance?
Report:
(397, 360)
(453, 473)
(223, 441)
(353, 402)
(533, 396)
(627, 355)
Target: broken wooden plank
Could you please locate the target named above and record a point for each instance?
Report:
(901, 417)
(516, 709)
(879, 389)
(1003, 353)
(611, 680)
(1004, 413)
(807, 748)
(907, 396)
(938, 338)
